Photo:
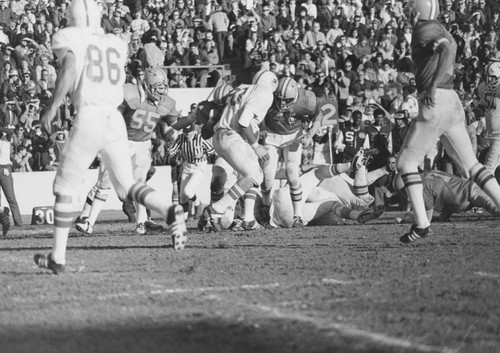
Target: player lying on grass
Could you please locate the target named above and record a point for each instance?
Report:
(329, 195)
(449, 194)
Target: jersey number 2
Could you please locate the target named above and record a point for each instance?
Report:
(101, 65)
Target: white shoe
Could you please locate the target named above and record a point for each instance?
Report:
(140, 229)
(85, 227)
(177, 227)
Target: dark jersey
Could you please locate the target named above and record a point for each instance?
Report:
(427, 35)
(379, 137)
(443, 191)
(353, 139)
(142, 116)
(287, 122)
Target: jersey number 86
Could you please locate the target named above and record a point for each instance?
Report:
(103, 64)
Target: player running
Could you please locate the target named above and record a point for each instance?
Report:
(441, 116)
(92, 72)
(236, 140)
(143, 107)
(489, 106)
(283, 127)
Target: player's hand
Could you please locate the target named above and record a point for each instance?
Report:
(47, 118)
(429, 98)
(262, 154)
(199, 154)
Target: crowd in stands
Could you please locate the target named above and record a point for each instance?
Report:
(356, 50)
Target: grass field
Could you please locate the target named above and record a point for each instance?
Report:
(347, 288)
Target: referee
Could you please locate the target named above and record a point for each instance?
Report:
(193, 150)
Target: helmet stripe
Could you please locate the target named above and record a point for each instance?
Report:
(283, 92)
(433, 10)
(87, 18)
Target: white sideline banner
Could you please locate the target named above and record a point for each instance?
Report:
(34, 189)
(184, 97)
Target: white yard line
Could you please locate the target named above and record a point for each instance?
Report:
(335, 327)
(323, 324)
(487, 274)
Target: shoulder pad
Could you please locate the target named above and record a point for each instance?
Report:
(310, 102)
(132, 95)
(167, 106)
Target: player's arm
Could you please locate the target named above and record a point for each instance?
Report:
(339, 144)
(64, 81)
(172, 151)
(245, 122)
(444, 52)
(181, 123)
(207, 146)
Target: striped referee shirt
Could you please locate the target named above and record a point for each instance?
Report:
(191, 150)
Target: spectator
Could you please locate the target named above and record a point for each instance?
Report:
(6, 180)
(219, 24)
(400, 129)
(10, 111)
(313, 36)
(12, 84)
(383, 188)
(311, 9)
(152, 55)
(21, 160)
(6, 14)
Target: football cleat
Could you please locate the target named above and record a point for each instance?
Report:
(5, 220)
(370, 214)
(129, 209)
(85, 227)
(265, 215)
(298, 222)
(239, 225)
(211, 219)
(152, 226)
(81, 219)
(359, 160)
(140, 229)
(177, 227)
(415, 233)
(45, 261)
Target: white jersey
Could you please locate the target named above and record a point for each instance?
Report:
(252, 97)
(491, 100)
(100, 65)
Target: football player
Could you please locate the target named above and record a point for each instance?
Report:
(236, 140)
(449, 194)
(92, 72)
(329, 195)
(489, 107)
(283, 126)
(441, 115)
(143, 107)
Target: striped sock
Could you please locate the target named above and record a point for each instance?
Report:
(229, 198)
(249, 204)
(64, 215)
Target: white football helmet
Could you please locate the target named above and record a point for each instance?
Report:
(266, 79)
(493, 75)
(287, 92)
(84, 13)
(155, 83)
(424, 9)
(220, 93)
